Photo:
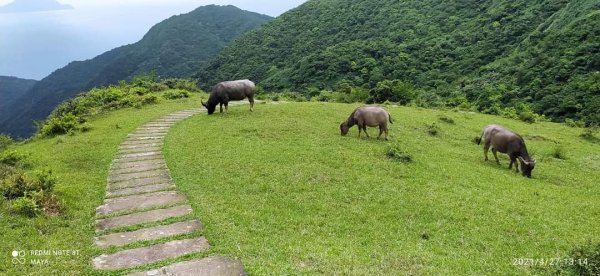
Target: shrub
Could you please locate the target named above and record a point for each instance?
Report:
(11, 158)
(588, 134)
(573, 123)
(392, 90)
(181, 84)
(24, 206)
(59, 125)
(85, 127)
(433, 129)
(584, 260)
(47, 202)
(140, 91)
(149, 99)
(446, 119)
(558, 152)
(176, 94)
(396, 153)
(5, 141)
(528, 117)
(19, 183)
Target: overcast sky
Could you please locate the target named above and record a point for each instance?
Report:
(35, 43)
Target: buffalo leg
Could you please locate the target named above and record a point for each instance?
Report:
(251, 100)
(380, 132)
(386, 133)
(486, 148)
(365, 130)
(513, 160)
(359, 131)
(221, 107)
(495, 152)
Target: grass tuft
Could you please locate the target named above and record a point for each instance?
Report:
(559, 152)
(396, 153)
(446, 119)
(433, 129)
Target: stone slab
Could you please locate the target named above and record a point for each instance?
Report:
(165, 125)
(150, 254)
(134, 141)
(114, 205)
(119, 160)
(140, 154)
(143, 217)
(148, 132)
(143, 138)
(137, 146)
(139, 190)
(142, 163)
(135, 169)
(113, 178)
(153, 233)
(138, 150)
(210, 266)
(139, 182)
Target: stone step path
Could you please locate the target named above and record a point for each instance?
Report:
(142, 206)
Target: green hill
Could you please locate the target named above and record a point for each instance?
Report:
(539, 55)
(11, 88)
(177, 47)
(281, 190)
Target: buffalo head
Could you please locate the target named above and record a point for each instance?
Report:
(527, 166)
(344, 128)
(210, 107)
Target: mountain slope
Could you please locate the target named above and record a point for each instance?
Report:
(11, 88)
(437, 46)
(176, 47)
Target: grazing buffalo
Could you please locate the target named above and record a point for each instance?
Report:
(369, 116)
(506, 141)
(227, 91)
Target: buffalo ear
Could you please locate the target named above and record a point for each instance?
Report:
(203, 104)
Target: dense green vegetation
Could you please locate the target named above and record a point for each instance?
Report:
(79, 164)
(283, 191)
(176, 47)
(492, 56)
(11, 88)
(142, 90)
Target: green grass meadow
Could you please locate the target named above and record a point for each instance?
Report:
(80, 162)
(280, 189)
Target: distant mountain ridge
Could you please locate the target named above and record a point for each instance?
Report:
(176, 47)
(33, 6)
(11, 88)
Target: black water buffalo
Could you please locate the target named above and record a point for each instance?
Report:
(369, 116)
(505, 141)
(227, 91)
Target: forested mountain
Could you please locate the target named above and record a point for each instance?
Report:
(11, 88)
(176, 47)
(541, 55)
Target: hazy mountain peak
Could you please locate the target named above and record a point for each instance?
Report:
(33, 6)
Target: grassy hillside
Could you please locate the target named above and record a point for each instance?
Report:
(80, 163)
(540, 55)
(177, 47)
(282, 190)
